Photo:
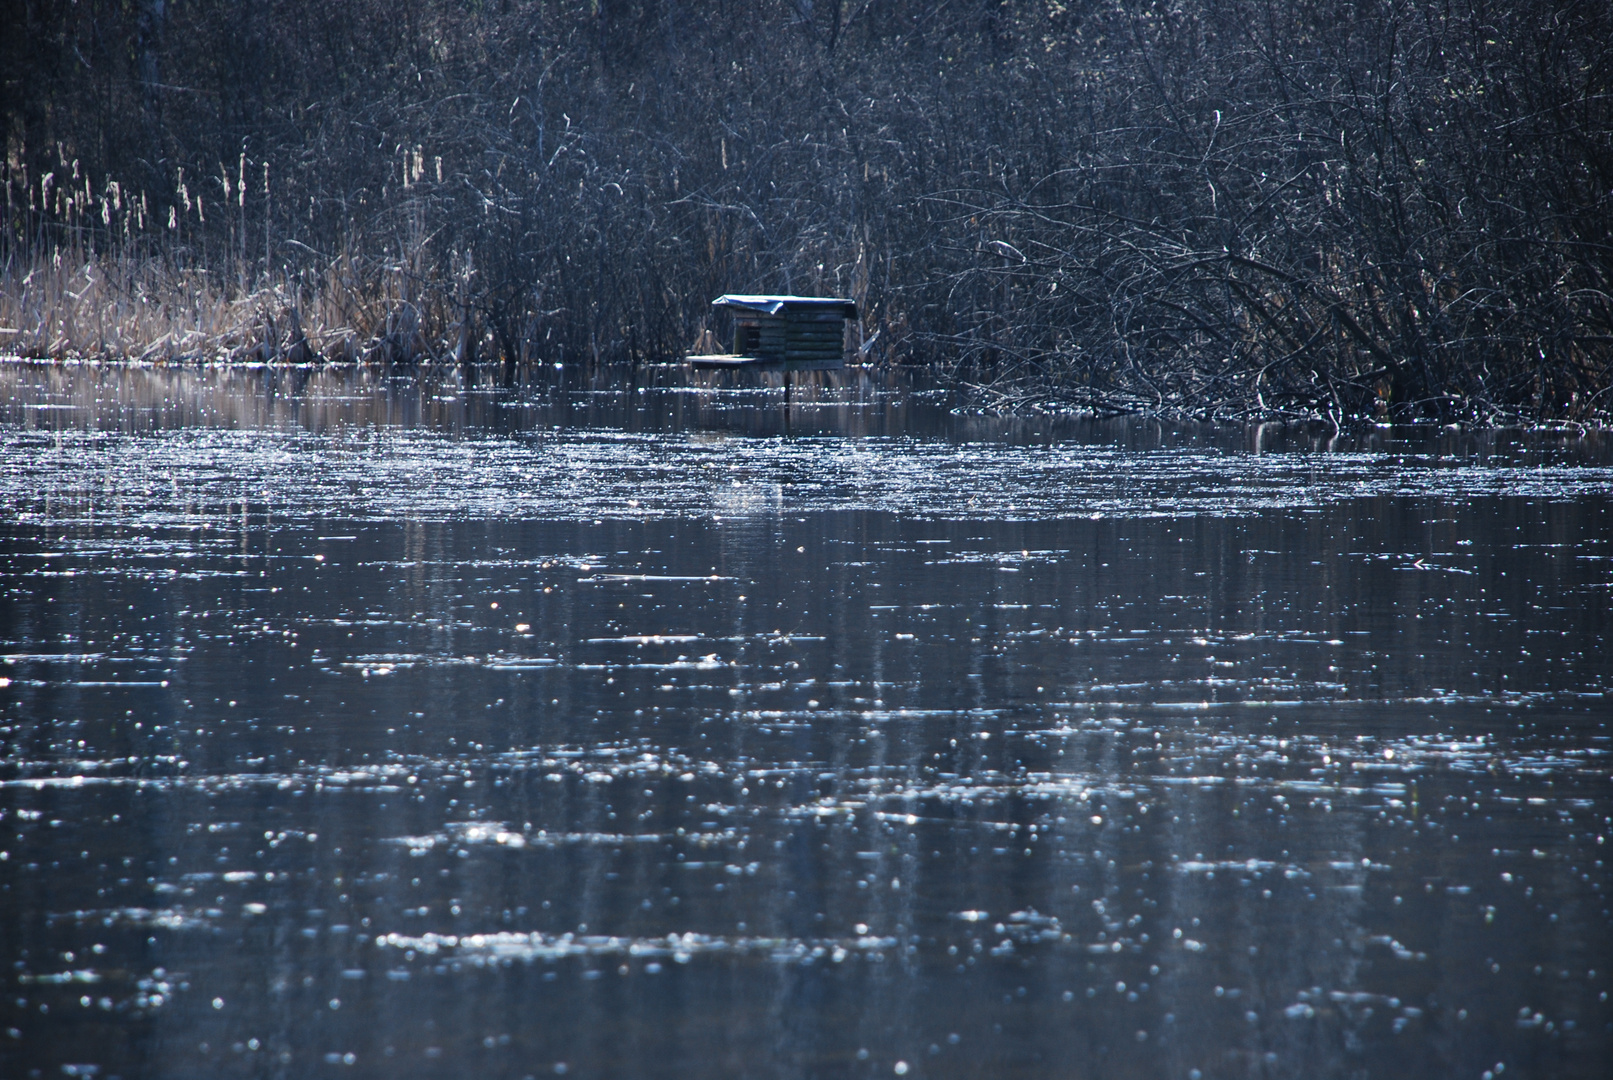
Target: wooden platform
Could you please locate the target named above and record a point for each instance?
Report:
(729, 360)
(734, 361)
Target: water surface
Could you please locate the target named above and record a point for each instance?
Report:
(358, 726)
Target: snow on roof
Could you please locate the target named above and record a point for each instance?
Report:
(772, 305)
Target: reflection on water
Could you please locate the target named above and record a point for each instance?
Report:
(372, 727)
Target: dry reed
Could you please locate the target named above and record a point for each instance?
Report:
(73, 304)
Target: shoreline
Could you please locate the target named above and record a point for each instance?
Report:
(620, 378)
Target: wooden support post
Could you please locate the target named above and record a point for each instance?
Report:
(789, 381)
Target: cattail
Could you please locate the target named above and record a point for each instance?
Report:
(240, 184)
(199, 215)
(173, 220)
(184, 192)
(438, 160)
(225, 173)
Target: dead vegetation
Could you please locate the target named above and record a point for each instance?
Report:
(1219, 209)
(89, 305)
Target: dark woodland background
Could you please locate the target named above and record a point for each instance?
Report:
(1204, 207)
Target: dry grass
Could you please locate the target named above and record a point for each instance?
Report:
(68, 304)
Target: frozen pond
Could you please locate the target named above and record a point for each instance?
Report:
(365, 727)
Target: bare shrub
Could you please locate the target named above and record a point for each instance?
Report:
(1213, 208)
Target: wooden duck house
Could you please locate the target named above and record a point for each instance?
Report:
(785, 333)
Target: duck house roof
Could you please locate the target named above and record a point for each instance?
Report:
(775, 305)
